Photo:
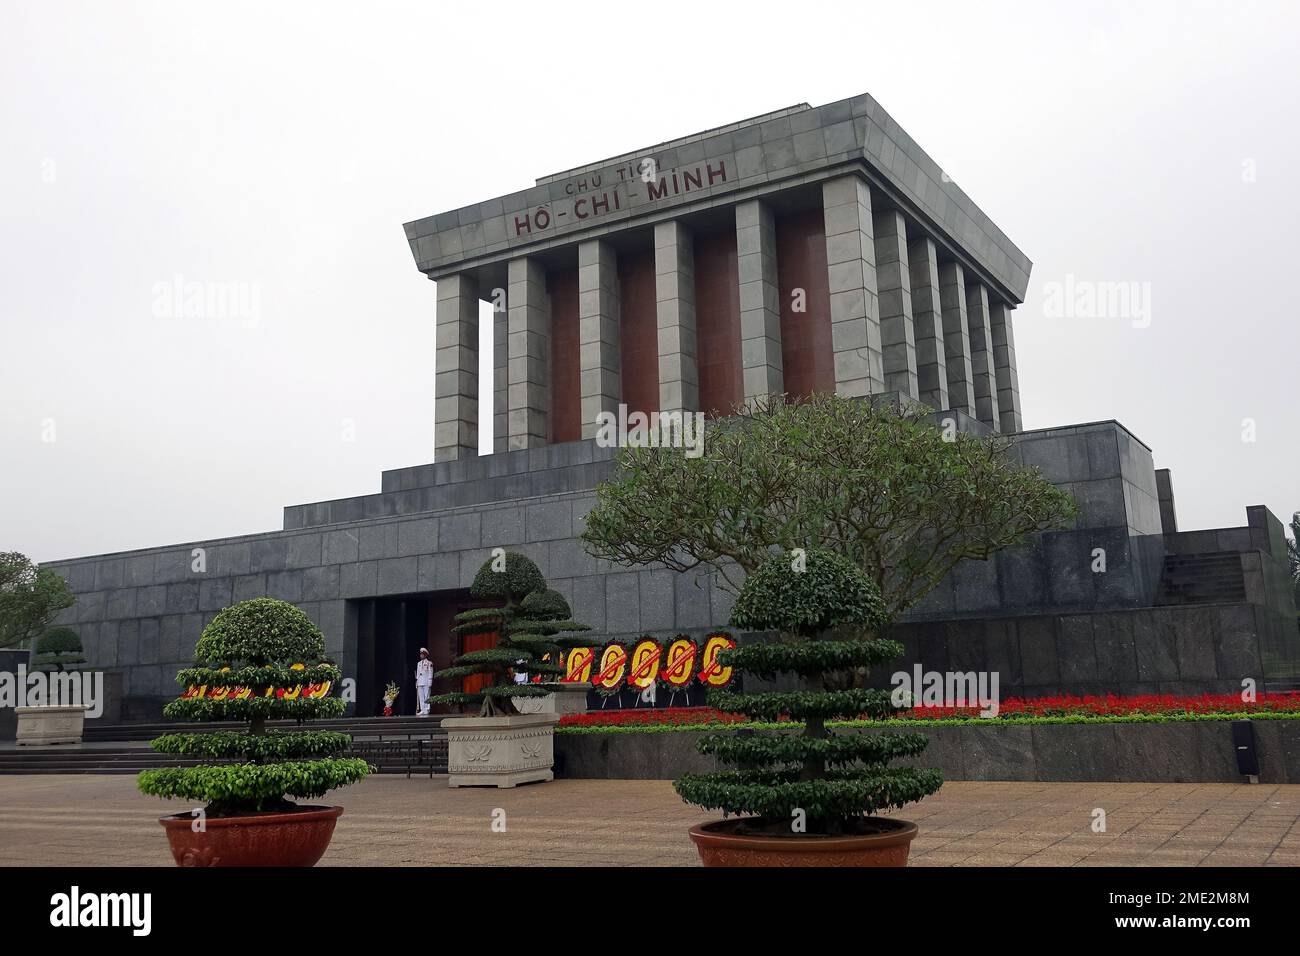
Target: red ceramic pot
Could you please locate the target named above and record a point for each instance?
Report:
(294, 838)
(720, 844)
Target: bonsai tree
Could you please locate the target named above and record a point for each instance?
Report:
(880, 485)
(544, 623)
(30, 599)
(510, 579)
(257, 660)
(826, 616)
(59, 650)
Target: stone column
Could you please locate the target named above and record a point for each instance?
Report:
(500, 421)
(851, 272)
(1004, 365)
(956, 338)
(762, 369)
(598, 332)
(679, 376)
(927, 323)
(981, 355)
(455, 427)
(528, 371)
(894, 283)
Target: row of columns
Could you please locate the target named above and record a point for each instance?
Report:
(901, 321)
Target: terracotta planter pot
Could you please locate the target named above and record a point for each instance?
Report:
(720, 847)
(298, 838)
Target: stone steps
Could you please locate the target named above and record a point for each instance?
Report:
(391, 744)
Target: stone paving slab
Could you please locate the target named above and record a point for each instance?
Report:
(88, 820)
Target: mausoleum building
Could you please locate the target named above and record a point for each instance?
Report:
(805, 250)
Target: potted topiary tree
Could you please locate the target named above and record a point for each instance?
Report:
(500, 747)
(61, 720)
(545, 624)
(257, 660)
(809, 799)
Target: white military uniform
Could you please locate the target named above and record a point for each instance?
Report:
(423, 684)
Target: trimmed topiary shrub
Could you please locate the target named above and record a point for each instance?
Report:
(258, 659)
(58, 649)
(545, 624)
(510, 579)
(828, 616)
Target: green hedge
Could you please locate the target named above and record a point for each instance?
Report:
(931, 722)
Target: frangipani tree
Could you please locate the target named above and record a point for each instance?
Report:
(902, 499)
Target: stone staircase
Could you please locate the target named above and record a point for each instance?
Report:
(392, 744)
(1208, 578)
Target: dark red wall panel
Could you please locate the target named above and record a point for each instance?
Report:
(639, 331)
(806, 351)
(566, 394)
(717, 322)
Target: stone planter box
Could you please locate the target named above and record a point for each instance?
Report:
(38, 726)
(500, 751)
(566, 699)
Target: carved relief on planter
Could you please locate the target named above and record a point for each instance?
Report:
(500, 751)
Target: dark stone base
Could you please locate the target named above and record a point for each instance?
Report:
(1174, 752)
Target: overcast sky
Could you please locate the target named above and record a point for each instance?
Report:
(275, 149)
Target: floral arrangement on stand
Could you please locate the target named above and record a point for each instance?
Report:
(390, 696)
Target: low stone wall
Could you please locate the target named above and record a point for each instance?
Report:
(9, 661)
(1174, 752)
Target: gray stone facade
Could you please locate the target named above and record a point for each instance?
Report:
(1038, 613)
(919, 286)
(882, 201)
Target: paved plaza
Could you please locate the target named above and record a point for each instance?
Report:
(80, 820)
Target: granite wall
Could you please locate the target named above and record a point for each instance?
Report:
(1172, 752)
(431, 527)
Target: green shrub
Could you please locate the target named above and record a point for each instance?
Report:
(58, 649)
(545, 625)
(518, 578)
(827, 614)
(254, 662)
(526, 624)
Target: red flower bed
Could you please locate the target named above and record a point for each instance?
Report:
(1111, 705)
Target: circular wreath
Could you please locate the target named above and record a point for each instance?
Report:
(718, 675)
(643, 664)
(608, 674)
(677, 669)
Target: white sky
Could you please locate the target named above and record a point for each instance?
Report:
(282, 145)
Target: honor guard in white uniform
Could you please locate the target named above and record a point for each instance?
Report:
(423, 682)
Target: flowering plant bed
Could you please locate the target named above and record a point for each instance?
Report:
(1110, 708)
(1113, 705)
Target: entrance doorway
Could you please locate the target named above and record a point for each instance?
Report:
(390, 633)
